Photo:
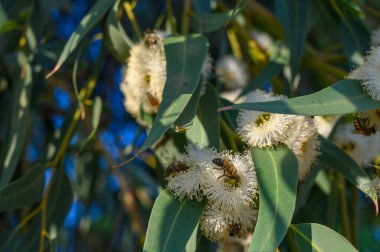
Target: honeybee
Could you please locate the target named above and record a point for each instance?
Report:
(229, 170)
(175, 167)
(151, 39)
(362, 126)
(153, 101)
(234, 230)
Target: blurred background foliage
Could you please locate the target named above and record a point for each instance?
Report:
(60, 136)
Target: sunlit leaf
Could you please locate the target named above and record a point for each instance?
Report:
(277, 175)
(206, 130)
(343, 97)
(185, 56)
(318, 238)
(171, 223)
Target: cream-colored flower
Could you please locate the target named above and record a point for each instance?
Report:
(369, 73)
(362, 149)
(145, 75)
(230, 181)
(231, 72)
(260, 129)
(325, 124)
(188, 182)
(217, 224)
(303, 141)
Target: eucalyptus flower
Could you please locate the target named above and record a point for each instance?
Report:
(218, 224)
(261, 129)
(145, 75)
(368, 73)
(303, 140)
(231, 72)
(233, 184)
(189, 181)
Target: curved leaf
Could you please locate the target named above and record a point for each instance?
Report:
(355, 39)
(343, 97)
(341, 162)
(206, 129)
(184, 59)
(93, 17)
(116, 40)
(297, 15)
(24, 191)
(316, 237)
(171, 223)
(210, 22)
(277, 175)
(18, 118)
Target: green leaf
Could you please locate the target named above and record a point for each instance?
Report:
(277, 175)
(206, 128)
(323, 182)
(185, 119)
(18, 117)
(116, 40)
(171, 223)
(88, 22)
(295, 30)
(318, 238)
(271, 70)
(59, 204)
(184, 56)
(24, 191)
(333, 156)
(346, 96)
(281, 57)
(355, 39)
(96, 114)
(209, 22)
(202, 6)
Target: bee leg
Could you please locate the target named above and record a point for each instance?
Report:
(224, 174)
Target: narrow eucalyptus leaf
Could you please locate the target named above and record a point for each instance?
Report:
(24, 191)
(184, 57)
(116, 40)
(171, 223)
(346, 96)
(88, 22)
(337, 159)
(313, 237)
(277, 175)
(19, 114)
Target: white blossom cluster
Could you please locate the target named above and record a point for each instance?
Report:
(261, 129)
(145, 75)
(229, 183)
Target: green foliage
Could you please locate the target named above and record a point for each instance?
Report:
(185, 56)
(315, 237)
(277, 173)
(313, 45)
(343, 97)
(171, 223)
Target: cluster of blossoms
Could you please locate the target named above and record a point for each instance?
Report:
(229, 183)
(145, 75)
(299, 133)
